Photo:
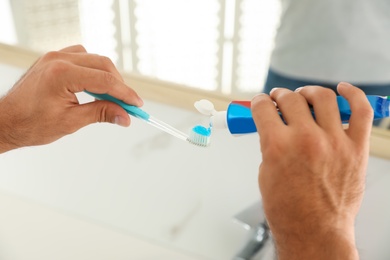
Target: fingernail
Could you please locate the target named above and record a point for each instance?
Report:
(120, 121)
(141, 102)
(298, 89)
(260, 94)
(346, 84)
(272, 90)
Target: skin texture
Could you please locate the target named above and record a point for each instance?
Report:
(312, 175)
(42, 106)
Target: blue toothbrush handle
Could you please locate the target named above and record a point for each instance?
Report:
(132, 110)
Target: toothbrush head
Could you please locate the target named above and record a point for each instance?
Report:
(200, 136)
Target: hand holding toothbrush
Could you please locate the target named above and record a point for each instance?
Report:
(312, 175)
(42, 106)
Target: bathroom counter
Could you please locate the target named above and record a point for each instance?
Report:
(31, 231)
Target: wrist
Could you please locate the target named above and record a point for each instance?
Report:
(331, 243)
(7, 131)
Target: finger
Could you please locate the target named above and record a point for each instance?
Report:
(97, 62)
(74, 49)
(79, 79)
(325, 107)
(77, 56)
(362, 115)
(265, 115)
(292, 105)
(100, 111)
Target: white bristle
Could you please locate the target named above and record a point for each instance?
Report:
(199, 139)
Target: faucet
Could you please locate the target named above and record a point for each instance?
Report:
(253, 219)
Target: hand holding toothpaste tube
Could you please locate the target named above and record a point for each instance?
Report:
(312, 175)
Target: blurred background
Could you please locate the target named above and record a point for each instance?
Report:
(221, 46)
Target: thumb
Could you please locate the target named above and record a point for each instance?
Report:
(102, 111)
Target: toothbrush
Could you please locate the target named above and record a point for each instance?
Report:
(238, 117)
(196, 136)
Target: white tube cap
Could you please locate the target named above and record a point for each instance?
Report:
(205, 107)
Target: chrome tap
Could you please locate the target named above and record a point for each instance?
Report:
(253, 219)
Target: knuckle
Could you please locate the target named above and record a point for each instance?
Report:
(281, 92)
(109, 79)
(270, 149)
(277, 91)
(259, 101)
(287, 96)
(50, 56)
(106, 62)
(309, 141)
(306, 136)
(327, 94)
(101, 114)
(79, 47)
(365, 112)
(56, 68)
(305, 130)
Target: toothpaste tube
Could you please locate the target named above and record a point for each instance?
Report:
(238, 117)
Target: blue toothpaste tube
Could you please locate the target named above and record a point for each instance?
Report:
(238, 117)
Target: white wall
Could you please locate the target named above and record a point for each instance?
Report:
(144, 182)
